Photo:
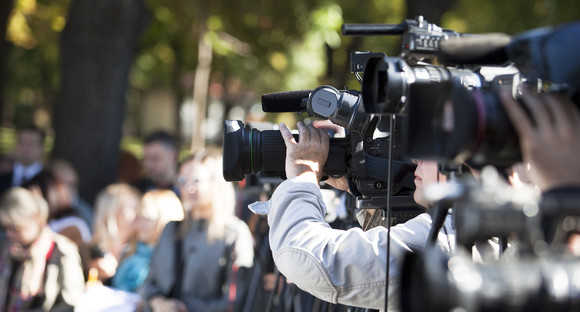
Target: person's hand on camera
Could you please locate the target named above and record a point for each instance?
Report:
(307, 156)
(326, 124)
(552, 144)
(339, 132)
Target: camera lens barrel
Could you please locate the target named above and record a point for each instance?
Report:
(248, 151)
(385, 85)
(270, 153)
(387, 81)
(448, 121)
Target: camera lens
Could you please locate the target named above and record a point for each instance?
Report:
(480, 133)
(448, 122)
(385, 85)
(249, 151)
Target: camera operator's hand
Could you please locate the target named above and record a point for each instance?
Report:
(552, 144)
(339, 132)
(307, 156)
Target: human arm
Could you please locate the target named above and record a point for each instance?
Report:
(104, 263)
(347, 267)
(337, 266)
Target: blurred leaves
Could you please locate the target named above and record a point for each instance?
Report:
(260, 46)
(33, 65)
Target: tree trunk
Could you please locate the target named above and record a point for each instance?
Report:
(200, 90)
(5, 9)
(97, 49)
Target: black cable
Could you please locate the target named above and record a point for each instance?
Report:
(389, 186)
(270, 303)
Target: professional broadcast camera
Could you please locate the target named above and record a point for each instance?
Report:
(453, 112)
(535, 273)
(454, 116)
(362, 155)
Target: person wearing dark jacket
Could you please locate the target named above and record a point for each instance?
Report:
(28, 157)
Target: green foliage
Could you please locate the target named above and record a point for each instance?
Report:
(33, 65)
(511, 17)
(259, 46)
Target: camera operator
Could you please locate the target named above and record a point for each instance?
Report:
(348, 267)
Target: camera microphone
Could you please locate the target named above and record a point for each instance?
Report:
(280, 102)
(486, 49)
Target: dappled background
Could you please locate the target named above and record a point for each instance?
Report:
(99, 75)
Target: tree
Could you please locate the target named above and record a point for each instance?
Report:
(97, 49)
(5, 9)
(256, 47)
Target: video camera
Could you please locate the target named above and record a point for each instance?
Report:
(453, 115)
(359, 156)
(453, 111)
(362, 155)
(535, 273)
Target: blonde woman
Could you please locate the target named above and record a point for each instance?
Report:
(156, 209)
(197, 264)
(40, 270)
(115, 210)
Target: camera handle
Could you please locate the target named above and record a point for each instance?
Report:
(388, 207)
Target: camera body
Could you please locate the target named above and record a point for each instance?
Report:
(453, 112)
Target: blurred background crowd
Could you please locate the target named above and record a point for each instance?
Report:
(111, 117)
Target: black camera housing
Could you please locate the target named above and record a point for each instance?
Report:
(362, 159)
(476, 68)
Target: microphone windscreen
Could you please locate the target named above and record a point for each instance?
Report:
(486, 49)
(289, 101)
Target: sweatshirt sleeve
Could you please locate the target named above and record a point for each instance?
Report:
(346, 267)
